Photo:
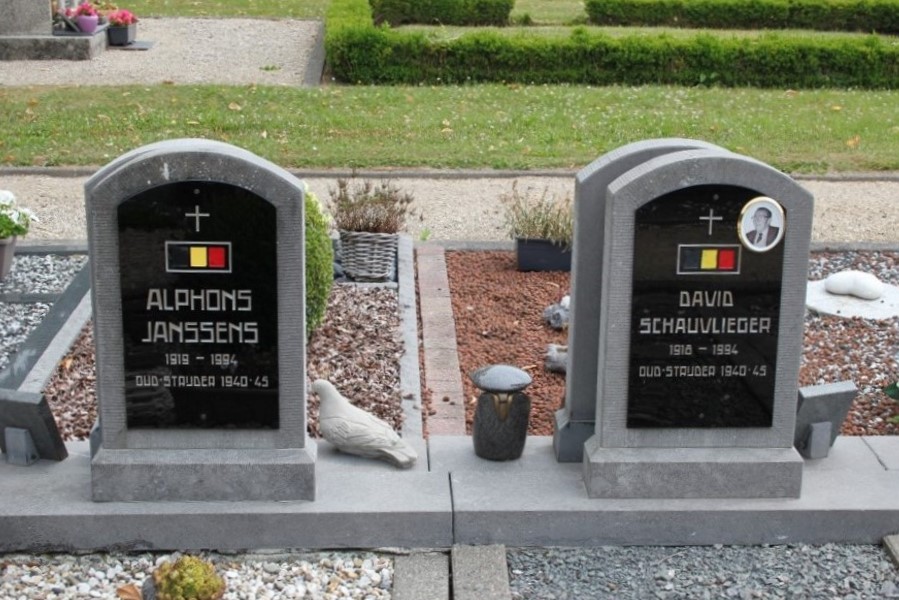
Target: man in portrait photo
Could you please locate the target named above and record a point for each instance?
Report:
(763, 233)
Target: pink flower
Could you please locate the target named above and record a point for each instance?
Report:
(85, 9)
(121, 18)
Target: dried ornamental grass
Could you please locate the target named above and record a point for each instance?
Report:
(381, 208)
(541, 217)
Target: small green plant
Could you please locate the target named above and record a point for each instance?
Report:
(381, 208)
(270, 68)
(319, 262)
(892, 391)
(14, 220)
(188, 578)
(541, 217)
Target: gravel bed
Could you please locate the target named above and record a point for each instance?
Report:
(366, 373)
(42, 273)
(32, 274)
(847, 572)
(16, 322)
(360, 575)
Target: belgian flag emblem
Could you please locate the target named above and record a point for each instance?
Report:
(700, 259)
(198, 257)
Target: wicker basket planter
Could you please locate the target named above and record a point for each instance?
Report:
(368, 256)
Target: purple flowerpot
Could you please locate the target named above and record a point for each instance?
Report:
(87, 23)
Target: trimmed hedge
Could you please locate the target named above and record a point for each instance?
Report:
(379, 55)
(868, 16)
(445, 12)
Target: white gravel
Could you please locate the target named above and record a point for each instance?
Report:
(17, 321)
(42, 273)
(186, 51)
(469, 208)
(247, 577)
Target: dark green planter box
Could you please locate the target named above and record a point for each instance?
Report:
(122, 36)
(541, 255)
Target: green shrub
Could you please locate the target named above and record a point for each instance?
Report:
(445, 12)
(826, 15)
(319, 263)
(360, 53)
(188, 578)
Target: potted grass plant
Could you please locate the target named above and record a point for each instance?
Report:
(368, 218)
(122, 29)
(14, 221)
(542, 227)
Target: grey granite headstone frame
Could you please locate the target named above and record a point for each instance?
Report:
(574, 423)
(694, 462)
(157, 464)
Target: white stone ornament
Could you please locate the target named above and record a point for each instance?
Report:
(854, 283)
(355, 431)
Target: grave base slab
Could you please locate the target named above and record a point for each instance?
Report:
(52, 47)
(691, 472)
(215, 474)
(852, 496)
(360, 503)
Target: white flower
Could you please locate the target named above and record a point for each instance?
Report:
(14, 219)
(7, 199)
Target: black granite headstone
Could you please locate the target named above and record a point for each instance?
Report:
(199, 307)
(706, 306)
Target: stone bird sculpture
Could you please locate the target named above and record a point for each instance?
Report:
(355, 431)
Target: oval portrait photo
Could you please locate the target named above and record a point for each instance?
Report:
(762, 224)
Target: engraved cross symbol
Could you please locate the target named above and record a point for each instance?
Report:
(711, 218)
(197, 215)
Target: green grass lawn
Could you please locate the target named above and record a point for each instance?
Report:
(469, 126)
(544, 12)
(493, 126)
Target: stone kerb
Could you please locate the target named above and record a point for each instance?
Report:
(575, 423)
(271, 463)
(702, 461)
